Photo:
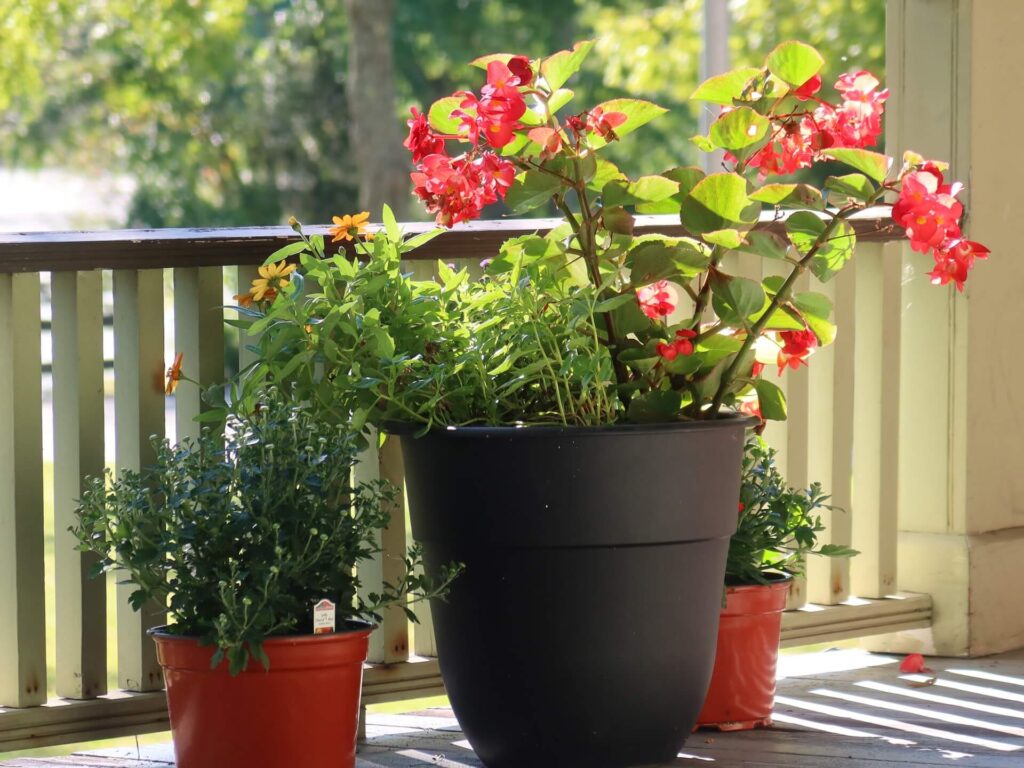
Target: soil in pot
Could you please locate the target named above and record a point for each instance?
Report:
(566, 640)
(303, 710)
(742, 690)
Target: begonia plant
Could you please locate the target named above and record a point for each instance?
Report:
(598, 319)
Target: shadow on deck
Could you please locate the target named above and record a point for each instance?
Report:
(834, 709)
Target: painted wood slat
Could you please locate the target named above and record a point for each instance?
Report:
(876, 406)
(199, 335)
(244, 275)
(827, 582)
(798, 425)
(776, 433)
(390, 642)
(830, 577)
(22, 607)
(78, 440)
(139, 368)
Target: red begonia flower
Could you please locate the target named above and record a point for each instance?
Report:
(796, 348)
(953, 262)
(859, 119)
(458, 190)
(520, 67)
(682, 346)
(656, 300)
(751, 408)
(422, 141)
(604, 123)
(930, 224)
(549, 139)
(792, 147)
(577, 123)
(808, 89)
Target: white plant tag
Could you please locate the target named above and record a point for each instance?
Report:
(323, 617)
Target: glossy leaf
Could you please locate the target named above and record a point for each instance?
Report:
(723, 89)
(687, 178)
(771, 400)
(284, 252)
(559, 67)
(873, 164)
(530, 189)
(855, 186)
(657, 406)
(605, 171)
(813, 304)
(719, 202)
(618, 220)
(559, 99)
(739, 128)
(766, 244)
(795, 63)
(646, 189)
(483, 61)
(790, 196)
(735, 299)
(805, 229)
(661, 260)
(637, 111)
(440, 115)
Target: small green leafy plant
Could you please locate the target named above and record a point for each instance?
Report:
(368, 343)
(240, 535)
(778, 525)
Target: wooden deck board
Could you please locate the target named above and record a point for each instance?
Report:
(840, 709)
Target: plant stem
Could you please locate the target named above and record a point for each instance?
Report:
(704, 295)
(585, 233)
(781, 297)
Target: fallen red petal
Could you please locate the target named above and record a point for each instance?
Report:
(912, 664)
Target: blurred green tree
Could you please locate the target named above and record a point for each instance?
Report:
(232, 112)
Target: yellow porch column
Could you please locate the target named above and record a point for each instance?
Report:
(951, 65)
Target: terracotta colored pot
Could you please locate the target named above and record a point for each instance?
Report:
(303, 710)
(742, 689)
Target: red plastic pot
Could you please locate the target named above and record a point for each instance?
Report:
(742, 689)
(304, 710)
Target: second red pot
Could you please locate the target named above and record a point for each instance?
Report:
(304, 710)
(742, 689)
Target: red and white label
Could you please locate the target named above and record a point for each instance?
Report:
(323, 617)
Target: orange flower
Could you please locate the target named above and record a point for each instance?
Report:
(244, 299)
(347, 227)
(174, 374)
(272, 278)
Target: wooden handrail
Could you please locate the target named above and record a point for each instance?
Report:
(156, 248)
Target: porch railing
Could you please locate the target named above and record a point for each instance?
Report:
(843, 429)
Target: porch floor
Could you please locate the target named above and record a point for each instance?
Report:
(834, 709)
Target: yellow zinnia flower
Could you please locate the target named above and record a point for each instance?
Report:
(347, 227)
(272, 278)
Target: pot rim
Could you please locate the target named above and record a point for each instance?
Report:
(777, 581)
(351, 626)
(402, 428)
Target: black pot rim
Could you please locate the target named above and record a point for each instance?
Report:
(351, 625)
(728, 419)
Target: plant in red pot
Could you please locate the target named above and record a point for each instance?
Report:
(777, 527)
(251, 539)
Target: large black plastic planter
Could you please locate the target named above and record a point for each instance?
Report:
(582, 632)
